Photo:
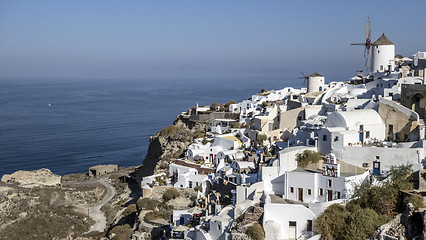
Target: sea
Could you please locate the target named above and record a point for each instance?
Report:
(68, 126)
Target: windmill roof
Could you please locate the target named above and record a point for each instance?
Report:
(315, 74)
(383, 40)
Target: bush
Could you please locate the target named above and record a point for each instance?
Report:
(150, 216)
(260, 138)
(229, 103)
(199, 133)
(198, 188)
(123, 232)
(170, 194)
(332, 223)
(130, 210)
(215, 105)
(169, 131)
(362, 224)
(147, 203)
(416, 200)
(308, 156)
(255, 231)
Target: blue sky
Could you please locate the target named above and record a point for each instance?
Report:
(189, 38)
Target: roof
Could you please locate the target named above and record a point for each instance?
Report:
(351, 119)
(316, 74)
(383, 40)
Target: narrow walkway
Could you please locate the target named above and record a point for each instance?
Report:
(95, 211)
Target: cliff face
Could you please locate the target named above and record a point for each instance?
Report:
(172, 141)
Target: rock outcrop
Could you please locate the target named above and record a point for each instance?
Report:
(42, 177)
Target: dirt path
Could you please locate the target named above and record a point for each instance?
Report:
(95, 211)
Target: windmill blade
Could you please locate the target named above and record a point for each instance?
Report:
(369, 29)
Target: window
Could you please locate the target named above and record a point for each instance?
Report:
(390, 94)
(218, 227)
(292, 224)
(329, 183)
(309, 191)
(321, 192)
(397, 136)
(367, 134)
(361, 128)
(291, 189)
(309, 226)
(324, 137)
(338, 194)
(196, 184)
(381, 67)
(336, 139)
(190, 184)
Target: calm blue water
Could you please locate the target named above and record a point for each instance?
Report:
(100, 121)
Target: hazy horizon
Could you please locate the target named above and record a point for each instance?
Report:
(193, 39)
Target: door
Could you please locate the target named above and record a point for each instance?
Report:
(329, 195)
(361, 137)
(292, 230)
(376, 168)
(300, 194)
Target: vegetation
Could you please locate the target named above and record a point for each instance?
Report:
(130, 210)
(170, 194)
(264, 104)
(198, 188)
(229, 103)
(213, 106)
(169, 131)
(255, 231)
(415, 199)
(307, 157)
(153, 215)
(147, 204)
(246, 125)
(122, 232)
(199, 133)
(205, 141)
(372, 207)
(260, 138)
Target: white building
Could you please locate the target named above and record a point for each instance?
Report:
(382, 55)
(186, 177)
(315, 82)
(287, 221)
(350, 128)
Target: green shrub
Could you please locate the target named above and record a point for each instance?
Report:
(236, 125)
(205, 141)
(260, 138)
(255, 231)
(306, 157)
(122, 231)
(169, 131)
(198, 188)
(199, 133)
(214, 105)
(332, 223)
(229, 103)
(362, 224)
(416, 200)
(147, 203)
(170, 194)
(130, 210)
(264, 104)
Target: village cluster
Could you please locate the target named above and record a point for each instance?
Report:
(360, 127)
